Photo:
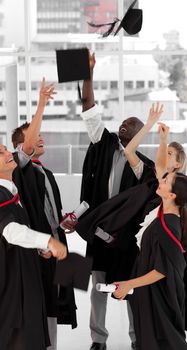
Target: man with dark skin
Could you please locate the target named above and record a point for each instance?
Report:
(106, 173)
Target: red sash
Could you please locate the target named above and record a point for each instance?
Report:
(161, 216)
(15, 199)
(36, 161)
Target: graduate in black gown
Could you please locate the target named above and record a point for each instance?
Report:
(158, 301)
(121, 215)
(106, 172)
(23, 320)
(40, 194)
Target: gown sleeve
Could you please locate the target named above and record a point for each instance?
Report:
(159, 259)
(165, 253)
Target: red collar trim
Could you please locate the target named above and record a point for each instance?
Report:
(15, 199)
(36, 161)
(161, 216)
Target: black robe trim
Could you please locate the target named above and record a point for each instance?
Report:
(22, 304)
(159, 308)
(113, 214)
(94, 190)
(31, 187)
(119, 216)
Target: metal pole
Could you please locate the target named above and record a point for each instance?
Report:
(121, 70)
(11, 101)
(27, 59)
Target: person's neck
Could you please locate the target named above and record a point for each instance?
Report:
(35, 157)
(6, 177)
(170, 208)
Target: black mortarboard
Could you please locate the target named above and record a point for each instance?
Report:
(73, 65)
(74, 271)
(131, 22)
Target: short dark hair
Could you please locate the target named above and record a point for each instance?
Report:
(18, 135)
(135, 123)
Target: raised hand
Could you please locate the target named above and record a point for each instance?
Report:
(47, 92)
(163, 130)
(92, 60)
(155, 113)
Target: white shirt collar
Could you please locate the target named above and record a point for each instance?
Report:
(9, 185)
(121, 147)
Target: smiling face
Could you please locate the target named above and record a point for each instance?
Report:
(39, 148)
(128, 129)
(164, 189)
(7, 163)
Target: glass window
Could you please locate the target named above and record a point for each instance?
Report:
(8, 98)
(22, 103)
(12, 33)
(151, 84)
(128, 84)
(140, 84)
(58, 103)
(130, 73)
(114, 85)
(104, 85)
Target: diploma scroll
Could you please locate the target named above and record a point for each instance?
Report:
(103, 235)
(108, 288)
(75, 214)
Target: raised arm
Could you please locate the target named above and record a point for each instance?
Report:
(90, 115)
(130, 150)
(162, 153)
(31, 134)
(87, 91)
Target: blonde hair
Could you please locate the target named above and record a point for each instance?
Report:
(181, 155)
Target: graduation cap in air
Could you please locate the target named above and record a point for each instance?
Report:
(131, 22)
(74, 271)
(73, 65)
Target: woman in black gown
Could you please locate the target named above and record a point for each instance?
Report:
(158, 301)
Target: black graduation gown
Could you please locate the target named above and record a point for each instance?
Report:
(94, 190)
(119, 216)
(22, 304)
(159, 308)
(31, 186)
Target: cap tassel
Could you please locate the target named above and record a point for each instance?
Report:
(109, 31)
(132, 5)
(83, 100)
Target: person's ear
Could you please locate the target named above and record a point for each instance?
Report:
(172, 196)
(178, 165)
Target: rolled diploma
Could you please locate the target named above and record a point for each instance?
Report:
(103, 235)
(76, 213)
(81, 209)
(108, 288)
